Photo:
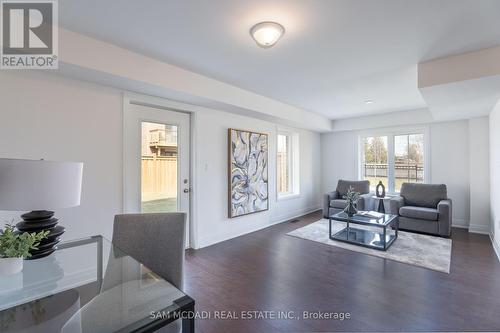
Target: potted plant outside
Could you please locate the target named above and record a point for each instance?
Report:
(14, 247)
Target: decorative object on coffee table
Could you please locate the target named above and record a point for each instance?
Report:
(380, 190)
(38, 186)
(247, 172)
(333, 202)
(351, 198)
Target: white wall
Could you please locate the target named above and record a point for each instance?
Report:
(49, 116)
(46, 116)
(449, 154)
(212, 167)
(449, 146)
(340, 157)
(479, 175)
(495, 176)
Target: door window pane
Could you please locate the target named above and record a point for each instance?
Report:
(375, 161)
(408, 159)
(158, 168)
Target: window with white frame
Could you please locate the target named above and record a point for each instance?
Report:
(394, 159)
(375, 161)
(287, 163)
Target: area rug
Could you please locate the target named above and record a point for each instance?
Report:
(409, 248)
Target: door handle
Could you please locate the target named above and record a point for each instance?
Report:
(186, 190)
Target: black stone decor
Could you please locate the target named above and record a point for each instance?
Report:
(40, 220)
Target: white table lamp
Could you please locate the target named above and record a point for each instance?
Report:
(40, 187)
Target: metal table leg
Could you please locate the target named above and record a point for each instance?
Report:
(99, 263)
(330, 228)
(385, 241)
(186, 304)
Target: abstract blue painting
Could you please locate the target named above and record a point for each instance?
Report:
(248, 172)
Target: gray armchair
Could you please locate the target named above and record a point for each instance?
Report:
(333, 202)
(423, 208)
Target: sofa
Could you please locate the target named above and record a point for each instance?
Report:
(423, 208)
(333, 202)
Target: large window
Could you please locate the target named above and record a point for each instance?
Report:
(408, 159)
(287, 162)
(375, 164)
(393, 159)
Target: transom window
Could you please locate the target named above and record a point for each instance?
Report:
(393, 159)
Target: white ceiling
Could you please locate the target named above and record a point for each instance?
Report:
(334, 55)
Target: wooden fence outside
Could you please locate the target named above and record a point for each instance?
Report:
(158, 177)
(282, 173)
(402, 171)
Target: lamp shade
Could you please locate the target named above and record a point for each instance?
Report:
(27, 185)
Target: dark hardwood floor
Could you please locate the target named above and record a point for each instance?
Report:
(267, 270)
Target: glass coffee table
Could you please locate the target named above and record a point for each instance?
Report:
(380, 235)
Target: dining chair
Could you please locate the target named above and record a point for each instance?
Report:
(157, 240)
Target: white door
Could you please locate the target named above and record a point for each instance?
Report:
(156, 160)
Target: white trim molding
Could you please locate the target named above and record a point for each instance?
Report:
(218, 237)
(460, 223)
(479, 229)
(495, 245)
(295, 213)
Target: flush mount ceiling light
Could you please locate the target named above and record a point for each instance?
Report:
(266, 34)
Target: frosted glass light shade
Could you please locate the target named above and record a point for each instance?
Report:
(27, 185)
(266, 34)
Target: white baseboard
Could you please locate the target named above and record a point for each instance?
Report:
(294, 214)
(215, 238)
(496, 246)
(479, 229)
(460, 223)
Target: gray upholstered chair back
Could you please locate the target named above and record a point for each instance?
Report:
(423, 195)
(156, 240)
(361, 186)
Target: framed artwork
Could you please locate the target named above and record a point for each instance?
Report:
(248, 172)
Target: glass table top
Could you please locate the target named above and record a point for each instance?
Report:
(87, 285)
(383, 220)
